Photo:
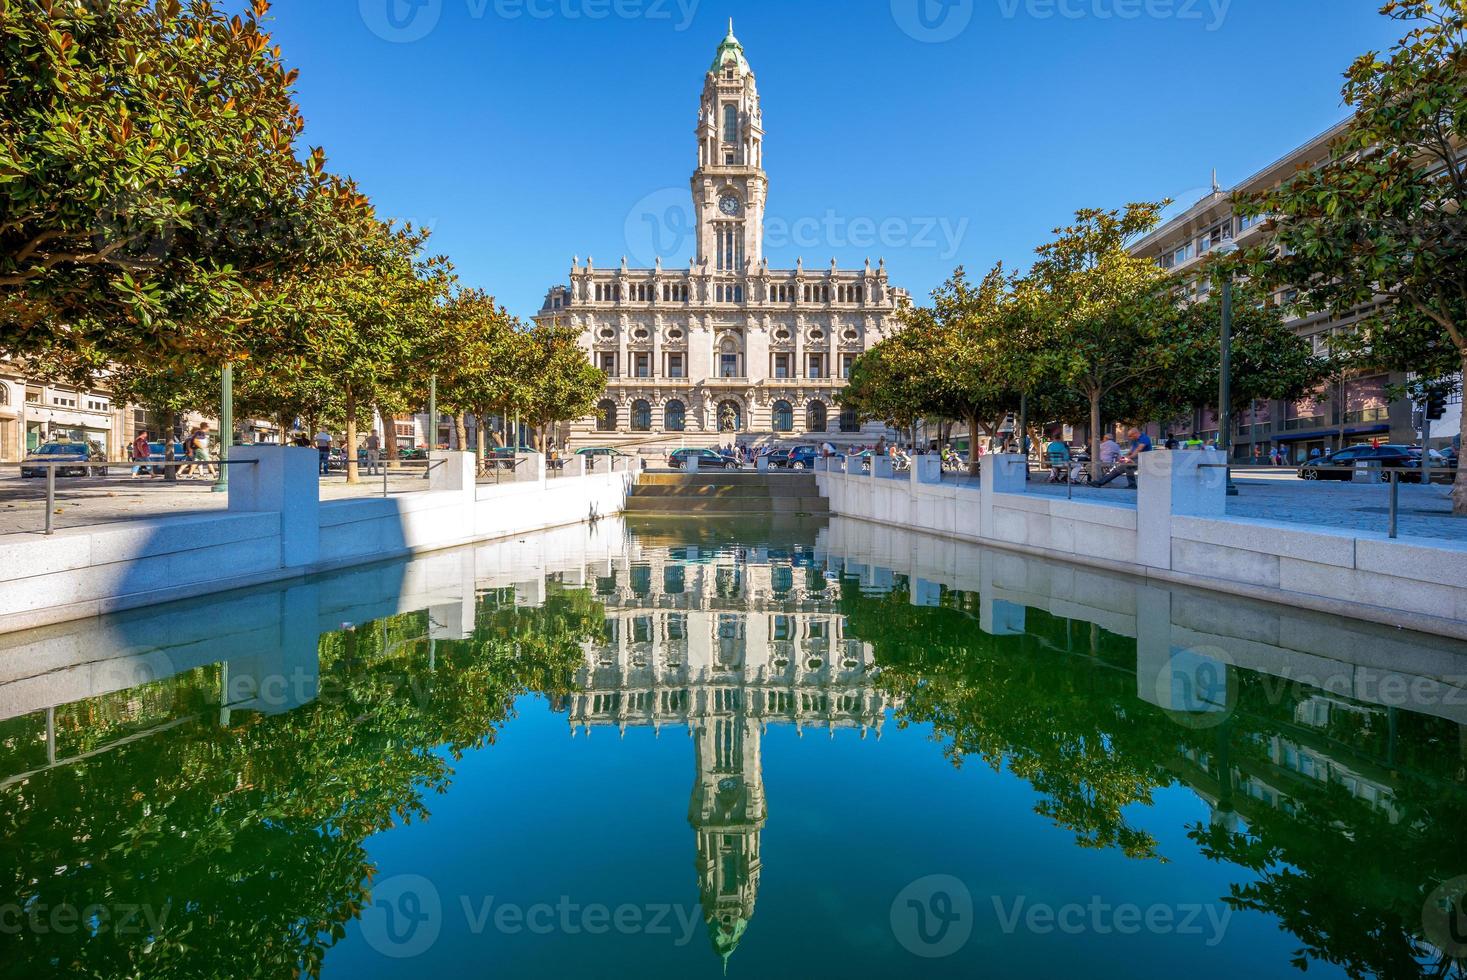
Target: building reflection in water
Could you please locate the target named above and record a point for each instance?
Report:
(725, 642)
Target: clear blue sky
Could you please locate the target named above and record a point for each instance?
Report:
(528, 131)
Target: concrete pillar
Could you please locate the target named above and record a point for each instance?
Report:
(1193, 682)
(880, 466)
(287, 675)
(451, 471)
(998, 473)
(577, 464)
(1180, 484)
(531, 468)
(927, 469)
(283, 480)
(690, 463)
(762, 464)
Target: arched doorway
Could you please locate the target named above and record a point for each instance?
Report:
(784, 417)
(675, 416)
(641, 416)
(606, 416)
(815, 417)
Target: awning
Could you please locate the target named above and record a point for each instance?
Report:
(1359, 430)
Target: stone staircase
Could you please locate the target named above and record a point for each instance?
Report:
(726, 493)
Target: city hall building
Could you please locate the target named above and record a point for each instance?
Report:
(727, 350)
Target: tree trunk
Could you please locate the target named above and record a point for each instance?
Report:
(460, 431)
(974, 460)
(1342, 406)
(389, 436)
(352, 475)
(1095, 433)
(1459, 490)
(481, 441)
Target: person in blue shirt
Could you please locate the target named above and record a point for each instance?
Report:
(1140, 443)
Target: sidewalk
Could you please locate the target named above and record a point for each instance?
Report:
(82, 502)
(1425, 512)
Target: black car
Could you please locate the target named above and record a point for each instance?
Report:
(1342, 465)
(707, 459)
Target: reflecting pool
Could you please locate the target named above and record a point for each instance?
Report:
(689, 749)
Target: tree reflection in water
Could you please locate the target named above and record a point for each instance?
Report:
(244, 839)
(246, 832)
(1348, 814)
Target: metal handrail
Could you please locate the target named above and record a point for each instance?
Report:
(51, 466)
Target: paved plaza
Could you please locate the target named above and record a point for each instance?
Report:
(1279, 495)
(106, 500)
(1425, 512)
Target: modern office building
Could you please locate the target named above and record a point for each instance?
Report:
(1348, 411)
(726, 350)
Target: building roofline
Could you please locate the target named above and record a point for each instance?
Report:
(1165, 230)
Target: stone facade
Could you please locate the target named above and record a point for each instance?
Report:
(727, 349)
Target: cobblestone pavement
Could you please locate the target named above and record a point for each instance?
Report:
(103, 500)
(1425, 512)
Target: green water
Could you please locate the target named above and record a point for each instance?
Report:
(675, 750)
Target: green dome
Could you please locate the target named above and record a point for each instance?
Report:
(731, 53)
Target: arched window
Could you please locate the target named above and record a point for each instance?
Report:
(675, 417)
(730, 417)
(641, 416)
(4, 394)
(815, 417)
(606, 416)
(784, 417)
(730, 123)
(850, 421)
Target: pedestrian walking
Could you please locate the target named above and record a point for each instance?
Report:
(201, 453)
(323, 449)
(141, 453)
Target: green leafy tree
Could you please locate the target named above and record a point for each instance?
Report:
(152, 189)
(1107, 324)
(1269, 360)
(369, 323)
(1382, 219)
(564, 383)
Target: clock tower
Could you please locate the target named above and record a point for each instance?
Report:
(729, 186)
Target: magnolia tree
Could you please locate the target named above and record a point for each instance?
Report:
(152, 189)
(1382, 220)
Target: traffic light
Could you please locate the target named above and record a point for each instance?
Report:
(1436, 405)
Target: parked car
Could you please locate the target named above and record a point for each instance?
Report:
(66, 453)
(707, 459)
(504, 457)
(602, 451)
(798, 458)
(1341, 465)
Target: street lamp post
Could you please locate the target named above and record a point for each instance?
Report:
(226, 426)
(1225, 372)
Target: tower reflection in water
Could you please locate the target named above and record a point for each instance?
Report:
(726, 641)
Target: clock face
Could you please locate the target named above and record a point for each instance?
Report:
(729, 205)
